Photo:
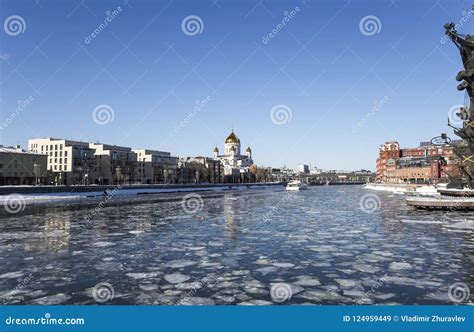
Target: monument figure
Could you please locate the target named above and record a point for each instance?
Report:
(465, 153)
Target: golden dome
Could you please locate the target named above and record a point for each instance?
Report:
(232, 138)
(249, 149)
(216, 149)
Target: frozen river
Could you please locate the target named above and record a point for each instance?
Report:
(325, 245)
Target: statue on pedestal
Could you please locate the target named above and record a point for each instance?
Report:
(465, 44)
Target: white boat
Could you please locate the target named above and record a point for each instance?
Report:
(296, 185)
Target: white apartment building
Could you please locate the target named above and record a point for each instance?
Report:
(71, 162)
(83, 163)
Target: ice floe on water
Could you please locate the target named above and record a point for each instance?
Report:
(411, 221)
(266, 270)
(177, 264)
(143, 275)
(400, 266)
(348, 283)
(463, 225)
(306, 281)
(320, 245)
(52, 299)
(176, 278)
(197, 301)
(10, 275)
(283, 265)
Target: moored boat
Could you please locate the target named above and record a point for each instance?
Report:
(296, 185)
(441, 202)
(457, 192)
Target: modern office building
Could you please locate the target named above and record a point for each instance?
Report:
(156, 166)
(115, 165)
(83, 163)
(303, 169)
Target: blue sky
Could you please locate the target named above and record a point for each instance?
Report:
(321, 65)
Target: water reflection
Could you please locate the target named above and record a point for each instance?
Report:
(55, 234)
(230, 203)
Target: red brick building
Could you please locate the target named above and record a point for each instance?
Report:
(425, 164)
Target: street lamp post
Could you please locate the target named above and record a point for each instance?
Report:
(36, 172)
(118, 172)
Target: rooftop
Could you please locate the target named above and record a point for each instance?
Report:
(11, 149)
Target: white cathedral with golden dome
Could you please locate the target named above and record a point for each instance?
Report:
(232, 160)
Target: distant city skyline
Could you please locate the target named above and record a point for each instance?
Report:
(323, 84)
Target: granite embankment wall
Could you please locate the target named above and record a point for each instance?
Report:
(6, 190)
